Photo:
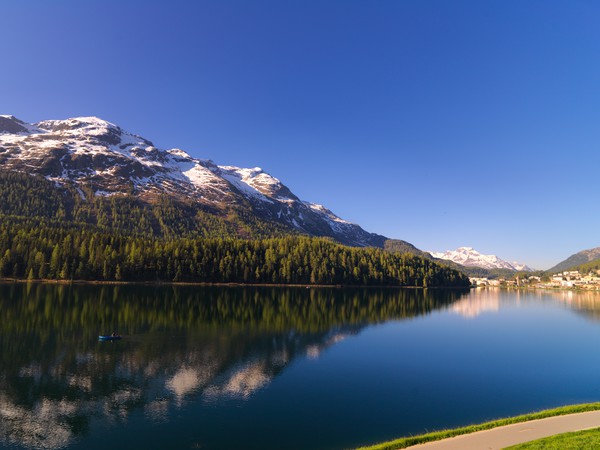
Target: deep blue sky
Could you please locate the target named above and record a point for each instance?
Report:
(443, 123)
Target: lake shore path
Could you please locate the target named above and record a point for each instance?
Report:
(505, 436)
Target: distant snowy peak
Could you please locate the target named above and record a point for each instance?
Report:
(467, 256)
(102, 157)
(522, 267)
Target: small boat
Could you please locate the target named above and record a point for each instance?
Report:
(109, 337)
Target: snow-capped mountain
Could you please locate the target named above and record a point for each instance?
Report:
(467, 256)
(90, 153)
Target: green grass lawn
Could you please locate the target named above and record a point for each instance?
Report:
(567, 441)
(437, 435)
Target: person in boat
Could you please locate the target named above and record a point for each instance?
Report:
(115, 334)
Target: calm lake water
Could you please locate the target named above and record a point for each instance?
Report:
(274, 368)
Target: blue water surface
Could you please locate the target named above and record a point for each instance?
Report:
(272, 368)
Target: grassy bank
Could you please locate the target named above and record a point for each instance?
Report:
(565, 441)
(443, 434)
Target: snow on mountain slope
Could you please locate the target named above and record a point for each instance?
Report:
(467, 256)
(10, 124)
(257, 183)
(96, 154)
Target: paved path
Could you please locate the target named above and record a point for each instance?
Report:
(501, 437)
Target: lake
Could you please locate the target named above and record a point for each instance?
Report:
(273, 368)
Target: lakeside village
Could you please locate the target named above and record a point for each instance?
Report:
(564, 280)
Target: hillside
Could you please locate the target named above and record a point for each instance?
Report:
(26, 197)
(399, 246)
(577, 259)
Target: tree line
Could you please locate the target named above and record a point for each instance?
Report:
(33, 249)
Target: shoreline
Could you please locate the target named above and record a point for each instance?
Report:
(442, 435)
(307, 286)
(208, 284)
(539, 288)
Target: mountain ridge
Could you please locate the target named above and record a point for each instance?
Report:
(88, 153)
(576, 259)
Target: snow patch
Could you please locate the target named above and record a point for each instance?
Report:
(241, 180)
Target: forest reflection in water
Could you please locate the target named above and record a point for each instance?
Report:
(182, 344)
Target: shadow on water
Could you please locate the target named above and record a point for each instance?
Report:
(182, 345)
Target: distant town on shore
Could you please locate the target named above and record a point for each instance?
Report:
(566, 279)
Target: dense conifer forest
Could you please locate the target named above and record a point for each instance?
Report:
(62, 234)
(34, 197)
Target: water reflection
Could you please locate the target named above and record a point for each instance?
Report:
(491, 300)
(480, 301)
(183, 344)
(585, 302)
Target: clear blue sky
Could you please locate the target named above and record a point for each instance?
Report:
(443, 123)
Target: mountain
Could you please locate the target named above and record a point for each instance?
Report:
(399, 246)
(583, 257)
(88, 154)
(469, 257)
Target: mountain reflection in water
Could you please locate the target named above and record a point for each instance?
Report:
(480, 301)
(182, 345)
